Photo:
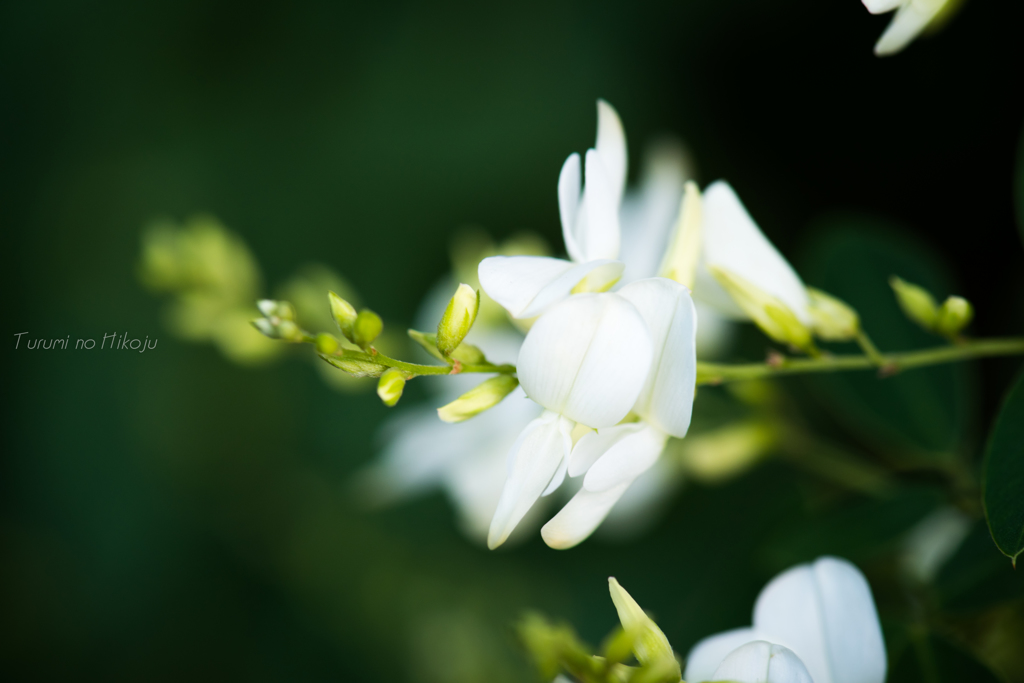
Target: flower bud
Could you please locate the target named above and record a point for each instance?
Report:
(954, 315)
(681, 260)
(390, 386)
(279, 322)
(917, 303)
(428, 341)
(458, 318)
(831, 319)
(356, 367)
(326, 344)
(762, 662)
(366, 328)
(344, 314)
(650, 645)
(475, 401)
(771, 315)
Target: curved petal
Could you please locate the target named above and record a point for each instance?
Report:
(597, 230)
(705, 657)
(526, 285)
(825, 613)
(587, 358)
(534, 460)
(762, 662)
(570, 194)
(611, 145)
(667, 397)
(580, 516)
(907, 24)
(733, 241)
(593, 445)
(882, 6)
(626, 460)
(559, 475)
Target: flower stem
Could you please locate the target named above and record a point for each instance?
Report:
(887, 363)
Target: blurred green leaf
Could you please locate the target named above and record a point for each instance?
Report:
(1004, 475)
(857, 531)
(920, 410)
(977, 577)
(930, 659)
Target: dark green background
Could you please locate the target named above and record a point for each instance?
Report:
(168, 514)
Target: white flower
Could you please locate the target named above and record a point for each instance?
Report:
(762, 662)
(911, 18)
(614, 456)
(823, 612)
(584, 361)
(527, 285)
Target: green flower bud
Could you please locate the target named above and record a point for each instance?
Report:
(357, 367)
(390, 386)
(467, 354)
(681, 260)
(917, 303)
(650, 645)
(326, 344)
(289, 331)
(475, 401)
(954, 315)
(366, 328)
(773, 317)
(832, 319)
(458, 318)
(344, 314)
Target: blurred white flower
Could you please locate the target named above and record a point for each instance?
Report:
(823, 612)
(584, 361)
(911, 18)
(527, 285)
(933, 541)
(762, 662)
(615, 455)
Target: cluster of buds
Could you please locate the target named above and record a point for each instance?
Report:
(918, 304)
(278, 321)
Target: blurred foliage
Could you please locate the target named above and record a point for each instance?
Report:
(172, 515)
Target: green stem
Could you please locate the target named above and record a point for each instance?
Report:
(869, 348)
(417, 369)
(889, 363)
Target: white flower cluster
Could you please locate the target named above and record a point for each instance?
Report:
(615, 371)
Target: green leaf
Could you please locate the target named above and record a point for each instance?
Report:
(927, 658)
(921, 412)
(1003, 481)
(976, 577)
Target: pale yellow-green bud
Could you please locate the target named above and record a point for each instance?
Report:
(326, 344)
(356, 367)
(954, 315)
(681, 260)
(832, 319)
(650, 645)
(917, 302)
(366, 328)
(390, 386)
(344, 314)
(771, 315)
(726, 452)
(289, 331)
(458, 318)
(475, 401)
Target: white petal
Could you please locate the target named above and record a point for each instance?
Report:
(648, 214)
(667, 397)
(882, 6)
(907, 24)
(526, 285)
(593, 445)
(566, 428)
(644, 502)
(762, 662)
(611, 145)
(597, 231)
(534, 463)
(580, 516)
(570, 193)
(825, 613)
(734, 242)
(706, 655)
(587, 358)
(626, 460)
